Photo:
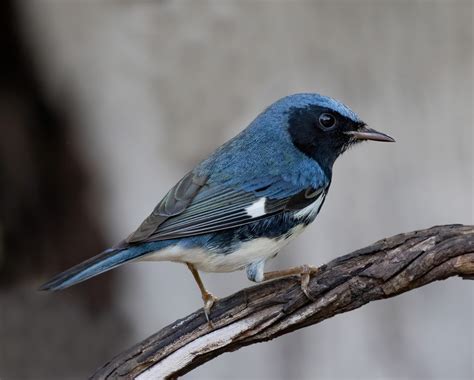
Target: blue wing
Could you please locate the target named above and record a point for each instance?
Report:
(198, 206)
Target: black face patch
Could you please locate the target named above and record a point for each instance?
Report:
(318, 132)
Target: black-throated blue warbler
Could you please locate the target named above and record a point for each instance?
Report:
(239, 207)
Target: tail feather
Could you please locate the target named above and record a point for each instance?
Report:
(101, 263)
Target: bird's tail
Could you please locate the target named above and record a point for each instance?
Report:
(101, 263)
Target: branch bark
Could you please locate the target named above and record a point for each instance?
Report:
(384, 269)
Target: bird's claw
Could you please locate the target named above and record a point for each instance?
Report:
(209, 300)
(306, 272)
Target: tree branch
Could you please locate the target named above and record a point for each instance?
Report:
(384, 269)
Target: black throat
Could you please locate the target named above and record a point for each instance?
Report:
(322, 146)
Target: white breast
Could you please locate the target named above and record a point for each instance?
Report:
(207, 261)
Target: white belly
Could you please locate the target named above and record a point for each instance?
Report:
(207, 261)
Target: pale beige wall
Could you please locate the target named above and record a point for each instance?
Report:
(160, 84)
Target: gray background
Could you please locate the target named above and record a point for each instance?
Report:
(159, 84)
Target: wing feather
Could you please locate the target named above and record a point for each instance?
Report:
(194, 206)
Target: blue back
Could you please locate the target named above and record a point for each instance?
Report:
(264, 155)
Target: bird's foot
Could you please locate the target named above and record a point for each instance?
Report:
(304, 271)
(207, 297)
(305, 274)
(209, 300)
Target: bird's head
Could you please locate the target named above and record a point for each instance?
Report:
(322, 127)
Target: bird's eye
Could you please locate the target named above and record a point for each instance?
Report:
(327, 121)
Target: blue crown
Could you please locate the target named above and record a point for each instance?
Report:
(303, 99)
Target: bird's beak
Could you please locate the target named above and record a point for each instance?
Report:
(365, 133)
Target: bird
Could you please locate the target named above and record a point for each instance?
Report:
(240, 206)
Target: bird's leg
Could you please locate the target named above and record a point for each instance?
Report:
(207, 297)
(304, 271)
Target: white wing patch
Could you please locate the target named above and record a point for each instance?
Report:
(257, 208)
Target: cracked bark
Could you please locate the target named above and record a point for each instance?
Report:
(384, 269)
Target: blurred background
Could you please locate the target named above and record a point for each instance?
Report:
(104, 105)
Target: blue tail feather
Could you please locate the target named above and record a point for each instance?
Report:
(101, 263)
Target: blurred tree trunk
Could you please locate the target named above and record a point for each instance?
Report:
(45, 223)
(45, 227)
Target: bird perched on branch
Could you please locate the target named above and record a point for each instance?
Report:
(239, 207)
